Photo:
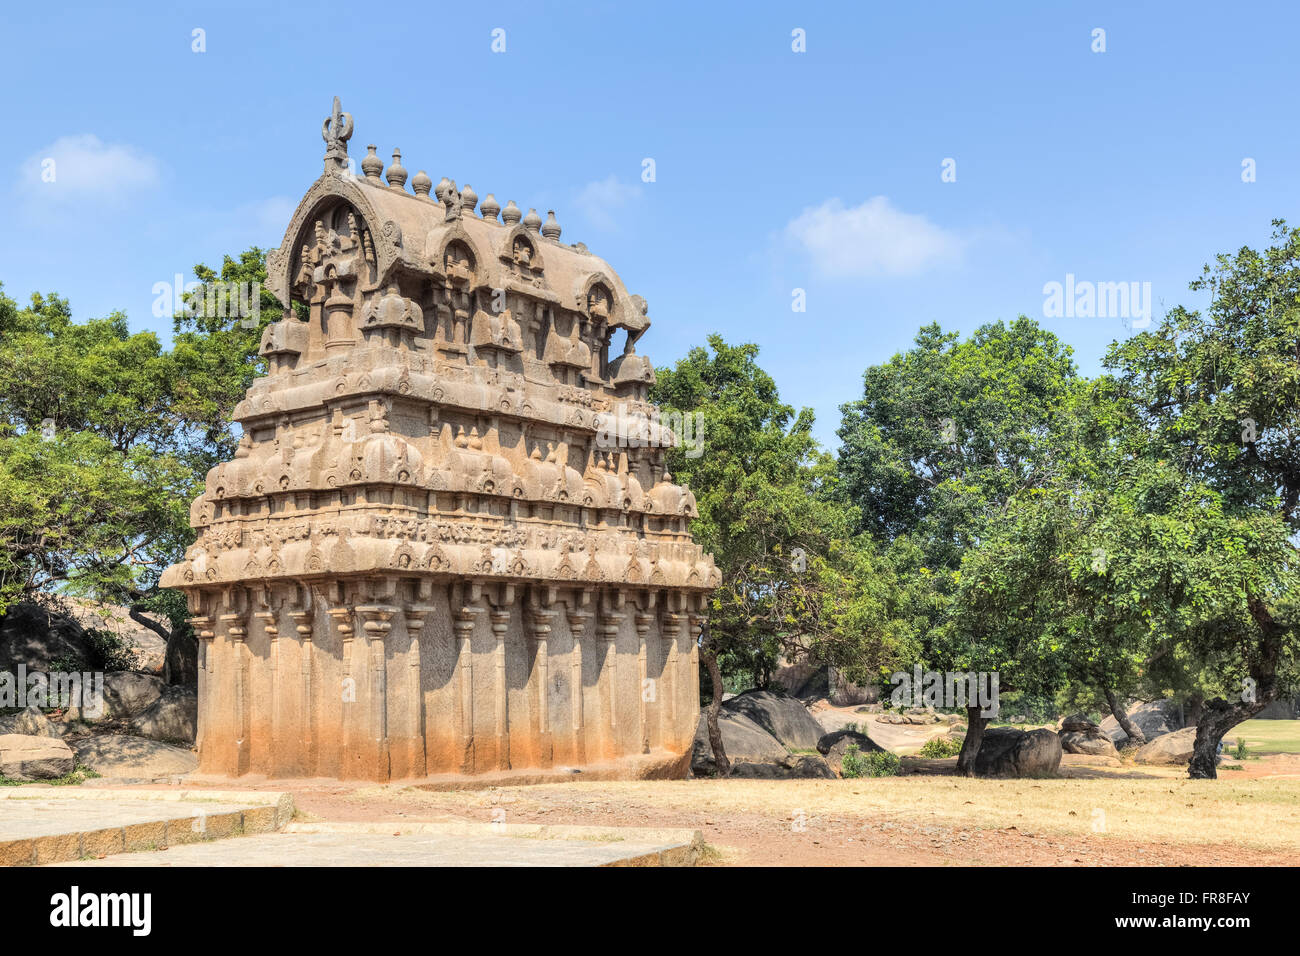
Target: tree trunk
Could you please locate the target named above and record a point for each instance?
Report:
(181, 658)
(710, 658)
(970, 746)
(1216, 720)
(1134, 732)
(181, 664)
(1220, 716)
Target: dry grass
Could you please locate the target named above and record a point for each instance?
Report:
(1258, 814)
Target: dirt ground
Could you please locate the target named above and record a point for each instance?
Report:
(1091, 817)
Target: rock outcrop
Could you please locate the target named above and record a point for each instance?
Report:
(1153, 719)
(1171, 749)
(1079, 735)
(785, 718)
(122, 756)
(173, 716)
(833, 745)
(24, 757)
(1008, 752)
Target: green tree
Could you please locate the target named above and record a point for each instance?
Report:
(105, 438)
(796, 579)
(943, 438)
(1216, 395)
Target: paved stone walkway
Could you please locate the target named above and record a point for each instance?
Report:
(128, 827)
(52, 825)
(409, 849)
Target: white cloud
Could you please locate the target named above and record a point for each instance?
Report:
(601, 201)
(83, 167)
(873, 239)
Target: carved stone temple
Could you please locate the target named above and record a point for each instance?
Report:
(426, 557)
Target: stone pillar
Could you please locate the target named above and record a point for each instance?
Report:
(577, 626)
(202, 625)
(670, 679)
(236, 632)
(302, 624)
(377, 621)
(344, 698)
(338, 319)
(642, 621)
(538, 621)
(417, 761)
(610, 621)
(269, 750)
(464, 627)
(500, 618)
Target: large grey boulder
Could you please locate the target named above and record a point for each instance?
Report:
(801, 679)
(120, 755)
(1079, 724)
(36, 637)
(173, 716)
(1153, 719)
(742, 739)
(845, 693)
(1169, 749)
(40, 635)
(148, 646)
(794, 767)
(130, 694)
(785, 718)
(31, 722)
(1094, 744)
(1008, 752)
(23, 757)
(833, 745)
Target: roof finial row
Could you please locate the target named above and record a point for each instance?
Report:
(336, 132)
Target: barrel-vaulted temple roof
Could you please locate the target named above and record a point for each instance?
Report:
(413, 230)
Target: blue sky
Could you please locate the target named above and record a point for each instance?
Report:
(774, 170)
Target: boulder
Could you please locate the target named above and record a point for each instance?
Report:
(801, 679)
(23, 757)
(785, 718)
(1078, 742)
(147, 645)
(36, 636)
(30, 722)
(845, 693)
(130, 694)
(1169, 749)
(794, 767)
(743, 740)
(173, 716)
(54, 630)
(1007, 752)
(1153, 719)
(120, 755)
(1077, 723)
(833, 745)
(1089, 760)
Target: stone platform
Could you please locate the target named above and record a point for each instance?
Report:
(61, 824)
(433, 844)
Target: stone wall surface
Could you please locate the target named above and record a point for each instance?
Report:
(447, 543)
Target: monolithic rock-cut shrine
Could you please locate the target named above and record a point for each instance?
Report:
(426, 557)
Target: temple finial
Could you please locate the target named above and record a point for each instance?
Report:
(336, 132)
